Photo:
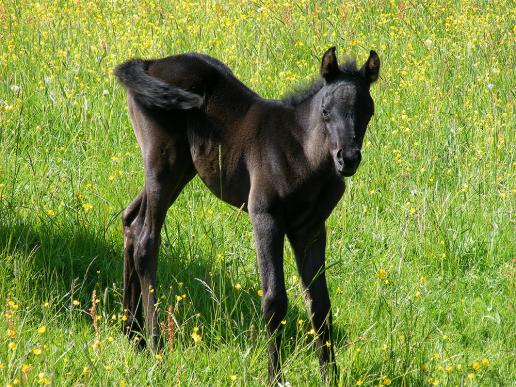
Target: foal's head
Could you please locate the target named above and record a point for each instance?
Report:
(346, 108)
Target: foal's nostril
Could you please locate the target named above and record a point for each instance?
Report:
(340, 160)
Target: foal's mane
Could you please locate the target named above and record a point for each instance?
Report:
(301, 94)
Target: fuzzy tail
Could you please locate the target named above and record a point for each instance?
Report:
(153, 92)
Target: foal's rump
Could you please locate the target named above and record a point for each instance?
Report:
(152, 92)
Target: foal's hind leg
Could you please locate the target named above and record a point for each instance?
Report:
(132, 223)
(310, 256)
(168, 167)
(161, 190)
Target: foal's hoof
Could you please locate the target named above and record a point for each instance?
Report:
(134, 337)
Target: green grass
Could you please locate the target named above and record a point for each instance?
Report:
(421, 247)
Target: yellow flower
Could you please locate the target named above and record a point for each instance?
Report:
(382, 274)
(471, 376)
(158, 356)
(475, 365)
(25, 368)
(11, 346)
(196, 336)
(1, 365)
(76, 302)
(232, 377)
(51, 213)
(87, 206)
(412, 210)
(485, 362)
(386, 381)
(283, 322)
(328, 343)
(458, 366)
(11, 332)
(260, 292)
(238, 286)
(42, 329)
(359, 382)
(43, 380)
(37, 351)
(85, 370)
(300, 322)
(311, 332)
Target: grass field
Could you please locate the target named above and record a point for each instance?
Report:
(421, 248)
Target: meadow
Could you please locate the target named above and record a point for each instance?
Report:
(421, 251)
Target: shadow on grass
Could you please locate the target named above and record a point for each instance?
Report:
(46, 258)
(49, 260)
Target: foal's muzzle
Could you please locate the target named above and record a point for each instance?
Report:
(347, 161)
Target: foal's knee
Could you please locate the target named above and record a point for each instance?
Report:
(274, 307)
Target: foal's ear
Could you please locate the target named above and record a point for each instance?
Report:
(329, 65)
(371, 67)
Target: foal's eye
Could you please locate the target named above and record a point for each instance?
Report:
(325, 113)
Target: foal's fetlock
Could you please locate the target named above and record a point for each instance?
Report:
(156, 343)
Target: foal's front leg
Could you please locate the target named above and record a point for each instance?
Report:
(309, 249)
(269, 239)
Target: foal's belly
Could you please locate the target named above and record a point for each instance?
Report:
(222, 170)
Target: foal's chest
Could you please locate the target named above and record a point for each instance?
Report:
(312, 204)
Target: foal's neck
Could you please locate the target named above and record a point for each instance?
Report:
(315, 139)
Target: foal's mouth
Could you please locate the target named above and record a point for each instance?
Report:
(347, 170)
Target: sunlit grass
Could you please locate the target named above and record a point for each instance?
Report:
(420, 249)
